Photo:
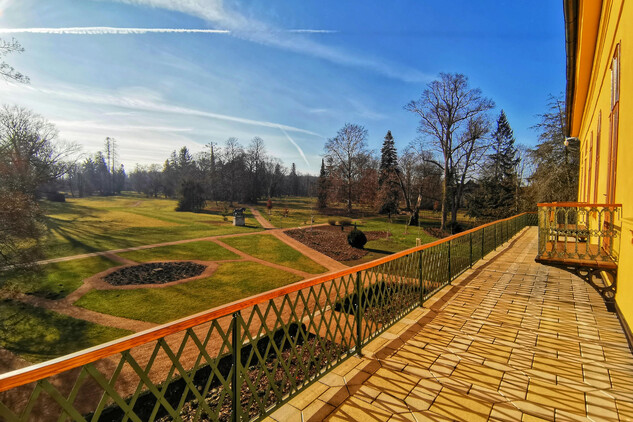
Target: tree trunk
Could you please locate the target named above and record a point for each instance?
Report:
(349, 195)
(415, 215)
(407, 200)
(445, 183)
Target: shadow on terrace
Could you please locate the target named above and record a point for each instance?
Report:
(468, 327)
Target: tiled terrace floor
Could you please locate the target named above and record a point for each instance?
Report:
(509, 340)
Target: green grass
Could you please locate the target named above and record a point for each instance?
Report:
(57, 280)
(203, 251)
(38, 334)
(401, 236)
(230, 282)
(300, 212)
(82, 225)
(302, 209)
(271, 249)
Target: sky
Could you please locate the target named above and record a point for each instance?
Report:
(157, 75)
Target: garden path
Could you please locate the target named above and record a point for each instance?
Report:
(326, 261)
(66, 305)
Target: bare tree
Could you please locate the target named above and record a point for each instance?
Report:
(555, 176)
(421, 177)
(346, 150)
(448, 110)
(6, 70)
(254, 160)
(408, 162)
(471, 149)
(30, 154)
(233, 164)
(29, 157)
(524, 170)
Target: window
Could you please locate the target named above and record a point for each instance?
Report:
(597, 175)
(614, 123)
(589, 169)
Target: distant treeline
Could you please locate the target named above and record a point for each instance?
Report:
(229, 172)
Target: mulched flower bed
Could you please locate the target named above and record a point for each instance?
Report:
(331, 241)
(311, 354)
(436, 232)
(381, 302)
(264, 389)
(154, 273)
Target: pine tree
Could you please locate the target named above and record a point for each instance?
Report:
(293, 179)
(388, 184)
(495, 196)
(322, 187)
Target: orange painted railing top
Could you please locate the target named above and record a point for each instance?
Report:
(42, 370)
(577, 204)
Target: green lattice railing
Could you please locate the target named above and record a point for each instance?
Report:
(244, 359)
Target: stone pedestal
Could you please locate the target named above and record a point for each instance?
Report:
(238, 220)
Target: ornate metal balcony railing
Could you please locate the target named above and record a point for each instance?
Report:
(572, 232)
(243, 360)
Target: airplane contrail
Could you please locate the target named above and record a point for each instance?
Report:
(292, 141)
(107, 30)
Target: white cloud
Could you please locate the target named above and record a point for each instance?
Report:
(140, 99)
(147, 127)
(214, 12)
(77, 125)
(103, 30)
(108, 30)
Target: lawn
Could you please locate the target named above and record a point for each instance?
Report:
(54, 281)
(271, 249)
(400, 237)
(230, 282)
(203, 251)
(92, 224)
(38, 334)
(301, 210)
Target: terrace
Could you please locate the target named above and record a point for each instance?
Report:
(469, 327)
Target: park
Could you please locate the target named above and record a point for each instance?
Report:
(67, 306)
(315, 211)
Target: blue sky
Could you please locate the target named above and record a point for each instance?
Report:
(267, 76)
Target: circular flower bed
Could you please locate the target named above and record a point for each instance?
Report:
(154, 273)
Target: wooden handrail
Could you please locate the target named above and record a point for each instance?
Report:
(577, 204)
(56, 366)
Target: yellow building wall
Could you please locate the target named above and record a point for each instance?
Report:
(613, 29)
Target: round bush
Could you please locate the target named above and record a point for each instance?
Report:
(454, 227)
(356, 238)
(345, 222)
(331, 221)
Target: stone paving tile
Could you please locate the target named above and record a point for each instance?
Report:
(516, 341)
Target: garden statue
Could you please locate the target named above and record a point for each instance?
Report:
(238, 216)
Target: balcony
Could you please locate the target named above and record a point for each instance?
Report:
(584, 238)
(468, 327)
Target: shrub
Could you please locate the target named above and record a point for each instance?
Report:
(454, 227)
(356, 238)
(55, 196)
(331, 221)
(345, 222)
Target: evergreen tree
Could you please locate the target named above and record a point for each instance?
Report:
(495, 196)
(322, 187)
(294, 180)
(191, 196)
(388, 182)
